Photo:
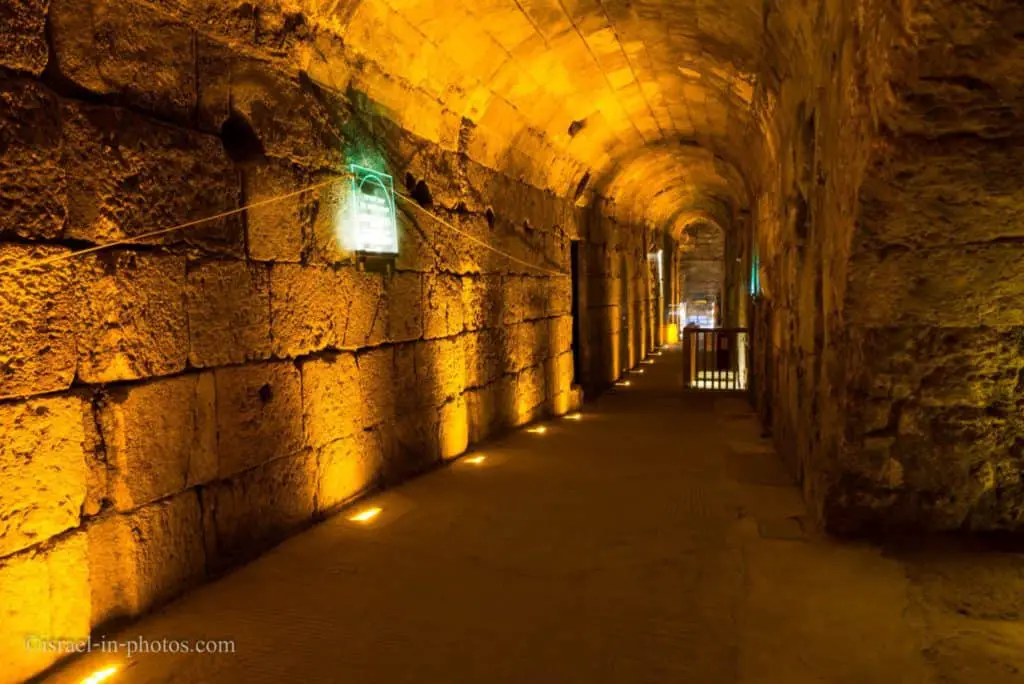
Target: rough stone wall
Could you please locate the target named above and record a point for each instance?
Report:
(817, 104)
(171, 407)
(889, 230)
(936, 282)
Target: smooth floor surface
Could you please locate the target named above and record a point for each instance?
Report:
(657, 540)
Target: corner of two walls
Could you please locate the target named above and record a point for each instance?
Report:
(174, 406)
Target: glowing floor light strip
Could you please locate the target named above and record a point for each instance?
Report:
(638, 371)
(100, 675)
(623, 383)
(475, 460)
(539, 430)
(366, 516)
(574, 416)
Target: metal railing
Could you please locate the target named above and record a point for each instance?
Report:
(716, 358)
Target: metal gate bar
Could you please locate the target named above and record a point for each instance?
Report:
(715, 359)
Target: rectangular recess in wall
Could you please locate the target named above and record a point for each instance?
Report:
(577, 357)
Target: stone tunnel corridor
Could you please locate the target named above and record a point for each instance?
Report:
(263, 262)
(644, 542)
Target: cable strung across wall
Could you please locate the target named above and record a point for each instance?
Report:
(32, 264)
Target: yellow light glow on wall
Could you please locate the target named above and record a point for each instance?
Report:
(100, 675)
(366, 515)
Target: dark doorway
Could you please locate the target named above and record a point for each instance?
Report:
(624, 316)
(577, 357)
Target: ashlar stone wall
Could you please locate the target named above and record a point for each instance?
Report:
(172, 406)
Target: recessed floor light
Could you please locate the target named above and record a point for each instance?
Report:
(475, 460)
(366, 515)
(539, 430)
(574, 416)
(100, 675)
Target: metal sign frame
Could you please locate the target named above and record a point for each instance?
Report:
(374, 220)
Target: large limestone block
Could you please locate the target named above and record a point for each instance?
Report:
(44, 595)
(37, 344)
(348, 467)
(23, 35)
(131, 316)
(482, 299)
(454, 426)
(559, 335)
(558, 387)
(526, 345)
(416, 444)
(405, 307)
(124, 178)
(513, 303)
(259, 414)
(961, 286)
(536, 294)
(308, 309)
(440, 370)
(32, 187)
(333, 406)
(530, 394)
(442, 306)
(161, 437)
(485, 356)
(491, 407)
(366, 320)
(43, 469)
(258, 508)
(276, 230)
(228, 313)
(128, 50)
(559, 296)
(140, 560)
(378, 385)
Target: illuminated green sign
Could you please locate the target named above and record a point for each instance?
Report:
(373, 227)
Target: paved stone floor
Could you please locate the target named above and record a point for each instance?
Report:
(656, 540)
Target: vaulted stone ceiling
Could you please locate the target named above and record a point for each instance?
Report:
(649, 99)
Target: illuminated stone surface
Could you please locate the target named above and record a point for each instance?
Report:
(32, 184)
(640, 549)
(332, 402)
(870, 156)
(44, 593)
(160, 437)
(132, 320)
(43, 466)
(228, 313)
(37, 343)
(141, 559)
(258, 508)
(259, 415)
